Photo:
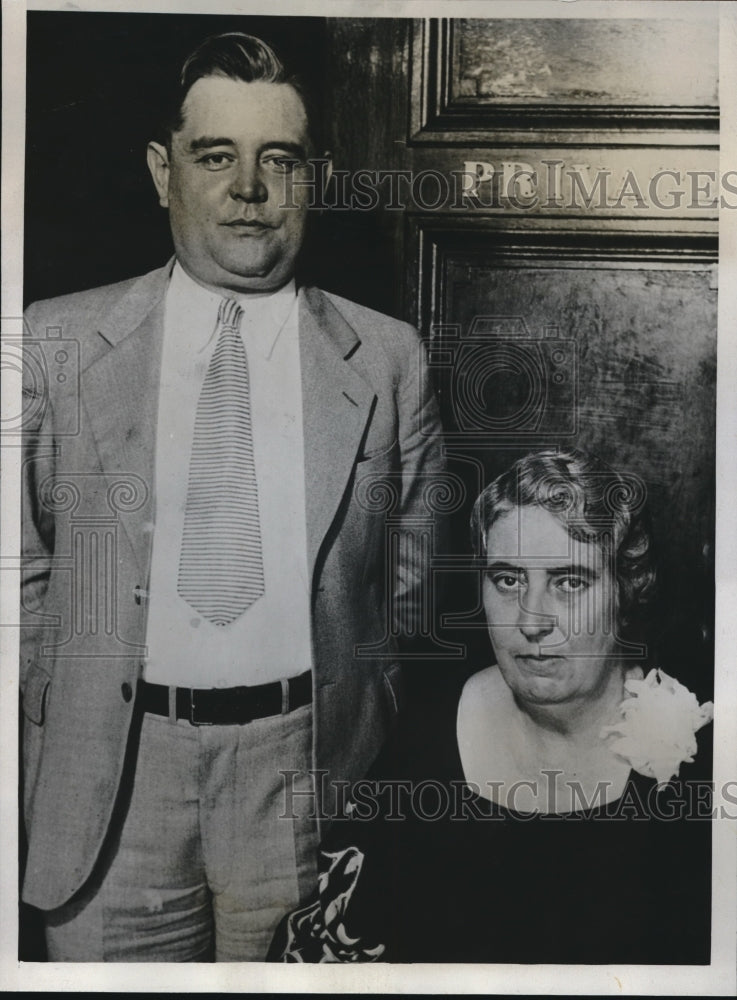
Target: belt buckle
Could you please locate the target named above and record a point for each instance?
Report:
(192, 708)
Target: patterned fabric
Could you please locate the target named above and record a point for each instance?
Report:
(317, 932)
(221, 566)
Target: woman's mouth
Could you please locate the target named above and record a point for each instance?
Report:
(536, 661)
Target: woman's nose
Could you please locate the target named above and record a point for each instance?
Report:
(534, 622)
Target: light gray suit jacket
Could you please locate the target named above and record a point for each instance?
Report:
(372, 455)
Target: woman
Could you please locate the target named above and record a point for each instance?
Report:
(530, 817)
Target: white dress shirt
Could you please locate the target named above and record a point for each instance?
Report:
(271, 639)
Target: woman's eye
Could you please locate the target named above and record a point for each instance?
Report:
(506, 583)
(572, 584)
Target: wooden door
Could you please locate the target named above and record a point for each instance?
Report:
(543, 204)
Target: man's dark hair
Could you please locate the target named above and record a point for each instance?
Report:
(239, 57)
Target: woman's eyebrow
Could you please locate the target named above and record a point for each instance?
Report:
(573, 569)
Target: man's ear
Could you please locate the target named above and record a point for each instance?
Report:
(158, 163)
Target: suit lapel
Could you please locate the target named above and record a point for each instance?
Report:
(336, 403)
(120, 393)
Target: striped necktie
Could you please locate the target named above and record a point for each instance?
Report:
(221, 570)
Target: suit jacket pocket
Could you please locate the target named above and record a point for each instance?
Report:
(34, 694)
(394, 687)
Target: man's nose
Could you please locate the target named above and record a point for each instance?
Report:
(248, 185)
(533, 620)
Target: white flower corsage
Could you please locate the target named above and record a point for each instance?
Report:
(658, 726)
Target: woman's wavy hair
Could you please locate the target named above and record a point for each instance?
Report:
(595, 504)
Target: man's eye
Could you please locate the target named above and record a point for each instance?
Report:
(282, 164)
(216, 161)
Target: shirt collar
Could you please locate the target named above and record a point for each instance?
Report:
(266, 313)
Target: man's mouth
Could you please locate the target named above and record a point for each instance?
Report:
(254, 225)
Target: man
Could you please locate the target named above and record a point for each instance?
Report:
(206, 567)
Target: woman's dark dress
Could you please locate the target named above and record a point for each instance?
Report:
(627, 882)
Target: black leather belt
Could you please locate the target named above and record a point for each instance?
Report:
(228, 706)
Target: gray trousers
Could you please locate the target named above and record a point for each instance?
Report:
(202, 867)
